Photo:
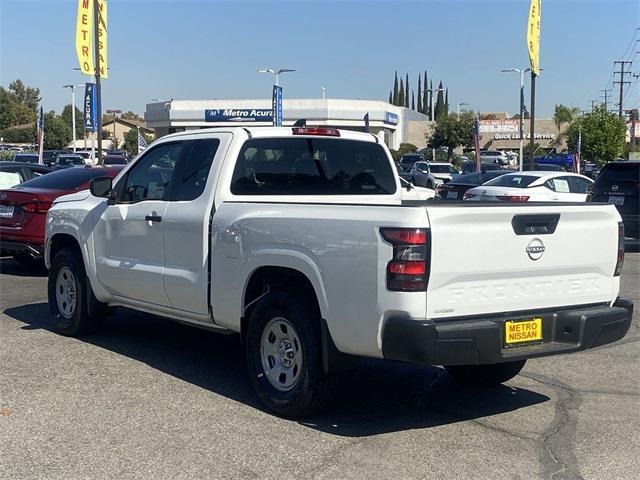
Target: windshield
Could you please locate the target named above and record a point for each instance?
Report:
(442, 169)
(513, 181)
(476, 178)
(70, 161)
(27, 158)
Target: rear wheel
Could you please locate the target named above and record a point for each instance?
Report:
(485, 375)
(284, 355)
(74, 307)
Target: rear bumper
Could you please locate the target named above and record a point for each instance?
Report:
(481, 340)
(13, 247)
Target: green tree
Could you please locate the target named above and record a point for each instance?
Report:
(401, 94)
(406, 91)
(57, 133)
(425, 95)
(413, 100)
(6, 112)
(439, 110)
(68, 119)
(430, 99)
(446, 101)
(27, 96)
(563, 114)
(603, 135)
(129, 115)
(526, 150)
(395, 90)
(131, 140)
(390, 97)
(19, 134)
(452, 132)
(419, 108)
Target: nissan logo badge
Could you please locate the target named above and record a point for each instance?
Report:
(614, 187)
(535, 249)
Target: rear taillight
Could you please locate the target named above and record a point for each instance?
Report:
(513, 198)
(407, 271)
(620, 258)
(36, 207)
(322, 131)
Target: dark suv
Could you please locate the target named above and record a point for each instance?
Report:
(619, 184)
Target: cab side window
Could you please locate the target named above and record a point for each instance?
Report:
(193, 174)
(578, 185)
(150, 177)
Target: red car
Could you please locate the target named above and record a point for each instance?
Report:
(23, 208)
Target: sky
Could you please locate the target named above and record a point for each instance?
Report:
(211, 49)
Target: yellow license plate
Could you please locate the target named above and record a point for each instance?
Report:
(523, 331)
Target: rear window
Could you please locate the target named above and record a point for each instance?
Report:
(618, 173)
(27, 158)
(514, 181)
(65, 179)
(312, 166)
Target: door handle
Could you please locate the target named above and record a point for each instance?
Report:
(153, 218)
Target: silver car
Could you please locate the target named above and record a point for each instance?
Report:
(494, 156)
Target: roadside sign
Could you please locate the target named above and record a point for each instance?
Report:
(277, 106)
(84, 37)
(90, 107)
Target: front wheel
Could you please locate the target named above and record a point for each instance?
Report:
(485, 375)
(284, 355)
(74, 308)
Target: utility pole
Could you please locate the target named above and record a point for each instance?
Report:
(606, 99)
(96, 49)
(114, 113)
(622, 82)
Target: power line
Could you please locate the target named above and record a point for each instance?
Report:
(622, 82)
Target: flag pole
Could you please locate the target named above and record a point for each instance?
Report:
(96, 32)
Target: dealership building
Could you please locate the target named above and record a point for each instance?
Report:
(391, 124)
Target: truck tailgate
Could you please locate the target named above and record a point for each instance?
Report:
(479, 264)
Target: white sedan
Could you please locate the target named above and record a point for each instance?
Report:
(536, 186)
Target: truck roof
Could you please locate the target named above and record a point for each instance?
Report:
(273, 132)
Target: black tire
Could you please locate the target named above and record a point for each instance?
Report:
(485, 375)
(88, 313)
(313, 389)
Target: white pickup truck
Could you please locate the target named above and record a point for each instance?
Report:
(300, 240)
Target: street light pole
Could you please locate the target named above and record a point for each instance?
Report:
(73, 111)
(113, 141)
(276, 73)
(433, 115)
(521, 71)
(324, 92)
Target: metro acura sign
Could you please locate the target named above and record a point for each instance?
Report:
(238, 115)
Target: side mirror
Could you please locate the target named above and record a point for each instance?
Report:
(100, 187)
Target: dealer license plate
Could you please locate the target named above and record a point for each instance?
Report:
(6, 211)
(523, 331)
(616, 200)
(453, 195)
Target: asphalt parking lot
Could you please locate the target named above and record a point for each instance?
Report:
(149, 398)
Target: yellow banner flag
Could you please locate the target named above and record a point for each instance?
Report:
(102, 38)
(84, 36)
(533, 35)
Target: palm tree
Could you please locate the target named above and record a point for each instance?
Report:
(561, 115)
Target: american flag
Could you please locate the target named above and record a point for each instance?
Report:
(40, 133)
(476, 140)
(142, 144)
(576, 157)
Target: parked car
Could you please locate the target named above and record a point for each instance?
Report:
(456, 188)
(429, 174)
(298, 239)
(114, 160)
(470, 167)
(26, 158)
(49, 156)
(494, 156)
(532, 187)
(619, 184)
(86, 154)
(409, 159)
(69, 160)
(23, 208)
(543, 167)
(14, 173)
